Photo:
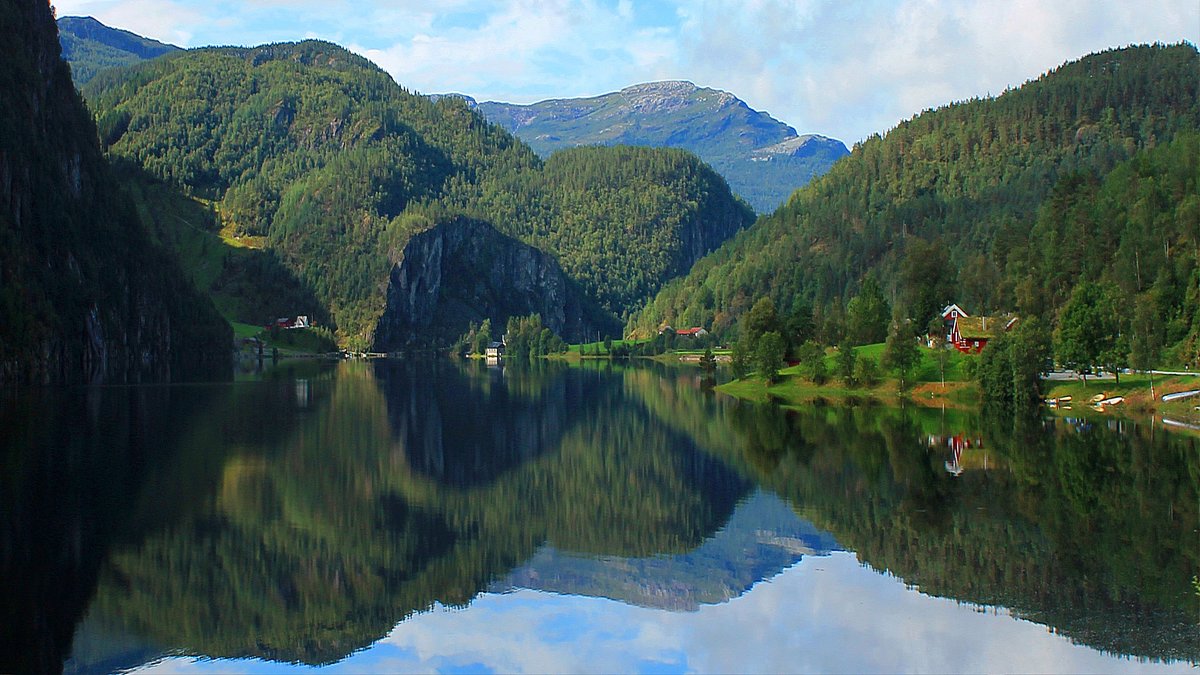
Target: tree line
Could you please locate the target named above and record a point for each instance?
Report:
(333, 165)
(1006, 204)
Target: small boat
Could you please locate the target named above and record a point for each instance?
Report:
(1098, 397)
(1180, 395)
(1115, 400)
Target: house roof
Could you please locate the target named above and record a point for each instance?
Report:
(690, 331)
(946, 311)
(982, 327)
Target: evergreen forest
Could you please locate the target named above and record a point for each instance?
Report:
(1005, 204)
(317, 156)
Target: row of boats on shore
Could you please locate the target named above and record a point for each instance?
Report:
(1103, 400)
(1099, 401)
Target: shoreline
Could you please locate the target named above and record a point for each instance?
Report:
(1134, 390)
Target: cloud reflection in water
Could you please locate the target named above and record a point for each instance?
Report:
(824, 614)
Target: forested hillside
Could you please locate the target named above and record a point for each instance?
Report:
(624, 220)
(1087, 174)
(89, 46)
(84, 293)
(316, 154)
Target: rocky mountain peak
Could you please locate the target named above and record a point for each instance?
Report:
(671, 95)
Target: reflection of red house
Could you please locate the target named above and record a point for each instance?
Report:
(958, 444)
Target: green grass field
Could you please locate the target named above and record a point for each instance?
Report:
(794, 387)
(1135, 388)
(927, 371)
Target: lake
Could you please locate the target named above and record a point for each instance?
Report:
(450, 517)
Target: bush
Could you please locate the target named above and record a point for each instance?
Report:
(812, 356)
(845, 363)
(866, 371)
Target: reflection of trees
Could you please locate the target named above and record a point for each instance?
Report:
(76, 464)
(1088, 531)
(465, 431)
(316, 541)
(301, 522)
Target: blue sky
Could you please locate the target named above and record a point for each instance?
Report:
(844, 69)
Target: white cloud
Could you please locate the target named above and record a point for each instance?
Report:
(844, 69)
(857, 69)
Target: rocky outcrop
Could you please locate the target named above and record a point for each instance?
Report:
(808, 145)
(464, 270)
(84, 294)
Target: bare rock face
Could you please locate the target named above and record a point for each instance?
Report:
(465, 270)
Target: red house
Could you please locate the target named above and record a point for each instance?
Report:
(971, 334)
(950, 314)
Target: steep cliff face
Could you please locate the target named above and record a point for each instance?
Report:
(84, 296)
(464, 270)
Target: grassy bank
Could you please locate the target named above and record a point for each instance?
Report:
(794, 389)
(959, 389)
(1136, 390)
(926, 388)
(289, 343)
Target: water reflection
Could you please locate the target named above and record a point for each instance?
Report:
(762, 538)
(308, 532)
(301, 517)
(1085, 529)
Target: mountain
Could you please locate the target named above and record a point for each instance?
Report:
(89, 47)
(763, 159)
(998, 204)
(762, 538)
(84, 293)
(317, 158)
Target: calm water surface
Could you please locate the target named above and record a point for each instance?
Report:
(366, 517)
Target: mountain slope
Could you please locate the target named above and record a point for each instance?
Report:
(89, 46)
(315, 154)
(968, 183)
(763, 159)
(84, 294)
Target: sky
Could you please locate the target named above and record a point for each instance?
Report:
(842, 69)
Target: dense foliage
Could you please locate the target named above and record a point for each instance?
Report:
(293, 553)
(319, 156)
(1085, 174)
(625, 220)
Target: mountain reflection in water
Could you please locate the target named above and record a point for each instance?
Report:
(303, 517)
